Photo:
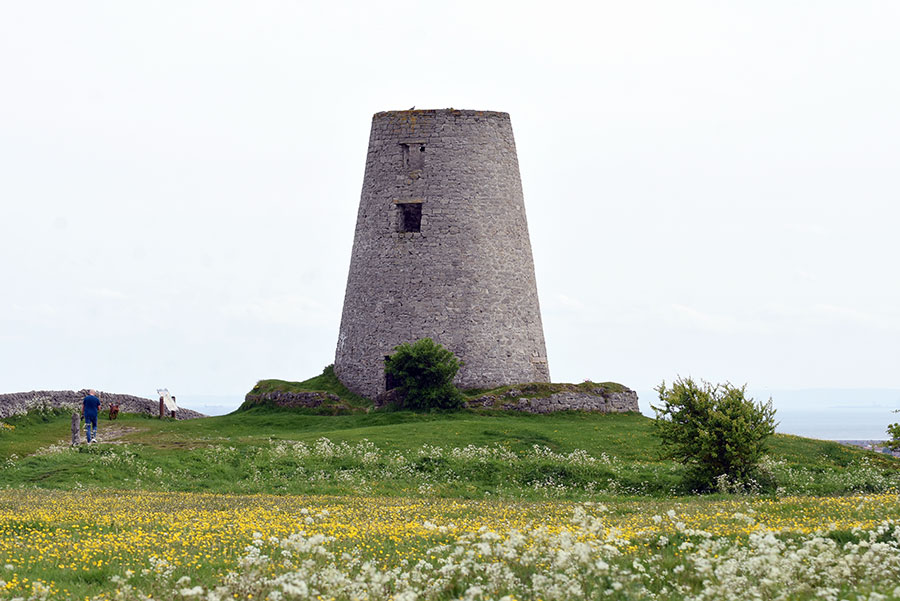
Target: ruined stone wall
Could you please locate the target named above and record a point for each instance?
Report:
(441, 250)
(17, 403)
(306, 400)
(599, 400)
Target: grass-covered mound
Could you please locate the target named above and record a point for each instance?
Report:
(326, 395)
(323, 394)
(462, 454)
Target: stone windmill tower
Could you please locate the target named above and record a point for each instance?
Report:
(442, 251)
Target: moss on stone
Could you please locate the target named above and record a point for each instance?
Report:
(326, 382)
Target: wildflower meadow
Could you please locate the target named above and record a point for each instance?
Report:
(140, 545)
(274, 507)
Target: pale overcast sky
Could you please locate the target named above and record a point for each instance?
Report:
(712, 187)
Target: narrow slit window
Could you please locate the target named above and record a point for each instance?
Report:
(410, 217)
(389, 381)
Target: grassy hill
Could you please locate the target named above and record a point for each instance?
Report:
(463, 454)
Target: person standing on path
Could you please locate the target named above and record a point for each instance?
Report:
(90, 408)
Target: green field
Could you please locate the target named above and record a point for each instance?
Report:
(577, 456)
(278, 504)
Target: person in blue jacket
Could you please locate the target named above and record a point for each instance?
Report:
(90, 408)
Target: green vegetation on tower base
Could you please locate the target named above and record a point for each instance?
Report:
(423, 374)
(326, 395)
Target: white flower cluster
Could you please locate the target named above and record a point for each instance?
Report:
(583, 561)
(326, 466)
(860, 477)
(369, 453)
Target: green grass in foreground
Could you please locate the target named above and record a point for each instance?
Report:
(463, 454)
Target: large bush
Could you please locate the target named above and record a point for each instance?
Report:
(423, 373)
(714, 430)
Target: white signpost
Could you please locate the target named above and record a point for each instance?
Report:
(167, 399)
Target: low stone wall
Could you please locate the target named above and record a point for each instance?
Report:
(598, 399)
(308, 400)
(17, 403)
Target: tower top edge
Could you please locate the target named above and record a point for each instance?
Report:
(449, 111)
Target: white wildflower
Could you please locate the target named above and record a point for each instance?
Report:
(191, 592)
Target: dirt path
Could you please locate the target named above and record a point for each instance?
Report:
(107, 433)
(111, 433)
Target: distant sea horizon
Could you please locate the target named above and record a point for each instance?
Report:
(823, 413)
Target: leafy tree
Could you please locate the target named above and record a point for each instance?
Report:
(424, 372)
(894, 432)
(714, 430)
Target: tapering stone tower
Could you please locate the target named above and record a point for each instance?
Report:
(442, 251)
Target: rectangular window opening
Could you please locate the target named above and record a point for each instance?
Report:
(413, 155)
(410, 217)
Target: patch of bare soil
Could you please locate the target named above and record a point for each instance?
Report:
(107, 433)
(112, 434)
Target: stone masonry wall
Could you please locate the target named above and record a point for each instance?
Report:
(466, 277)
(597, 400)
(21, 402)
(308, 400)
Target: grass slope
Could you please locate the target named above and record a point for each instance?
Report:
(261, 450)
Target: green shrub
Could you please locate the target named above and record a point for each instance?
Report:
(714, 431)
(423, 373)
(894, 432)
